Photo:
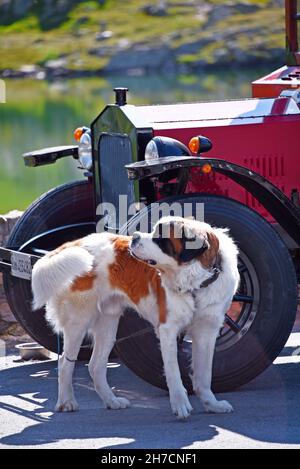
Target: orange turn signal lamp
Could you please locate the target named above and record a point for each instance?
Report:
(194, 145)
(79, 132)
(206, 168)
(199, 144)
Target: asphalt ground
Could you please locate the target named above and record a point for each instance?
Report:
(266, 415)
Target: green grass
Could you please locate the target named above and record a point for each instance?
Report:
(19, 198)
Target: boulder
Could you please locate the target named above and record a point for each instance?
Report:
(192, 47)
(50, 12)
(7, 222)
(222, 11)
(12, 10)
(156, 10)
(141, 57)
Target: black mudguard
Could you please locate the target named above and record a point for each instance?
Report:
(284, 211)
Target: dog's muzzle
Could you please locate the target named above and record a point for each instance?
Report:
(147, 261)
(136, 237)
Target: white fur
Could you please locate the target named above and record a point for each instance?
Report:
(97, 311)
(205, 317)
(54, 274)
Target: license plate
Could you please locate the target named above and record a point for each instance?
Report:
(21, 265)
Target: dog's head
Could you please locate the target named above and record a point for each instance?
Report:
(176, 242)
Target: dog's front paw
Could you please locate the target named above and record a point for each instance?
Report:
(218, 407)
(67, 406)
(117, 403)
(181, 406)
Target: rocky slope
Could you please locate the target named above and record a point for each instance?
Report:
(63, 37)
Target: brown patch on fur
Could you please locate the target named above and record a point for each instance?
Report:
(83, 283)
(176, 241)
(208, 257)
(161, 298)
(69, 244)
(135, 278)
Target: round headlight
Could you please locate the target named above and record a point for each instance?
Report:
(151, 151)
(161, 146)
(85, 151)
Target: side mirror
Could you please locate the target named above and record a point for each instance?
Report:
(200, 144)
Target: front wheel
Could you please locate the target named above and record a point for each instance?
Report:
(262, 313)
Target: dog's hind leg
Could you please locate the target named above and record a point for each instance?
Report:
(104, 338)
(73, 336)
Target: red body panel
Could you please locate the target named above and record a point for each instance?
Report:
(271, 148)
(271, 85)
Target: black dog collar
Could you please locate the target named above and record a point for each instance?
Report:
(216, 270)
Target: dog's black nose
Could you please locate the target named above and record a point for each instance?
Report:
(135, 238)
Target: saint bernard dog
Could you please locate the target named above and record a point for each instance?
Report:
(180, 277)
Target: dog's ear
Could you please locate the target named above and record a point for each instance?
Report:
(209, 256)
(192, 245)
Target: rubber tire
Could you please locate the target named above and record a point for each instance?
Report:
(257, 349)
(66, 204)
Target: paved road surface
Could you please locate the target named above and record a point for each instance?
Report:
(267, 411)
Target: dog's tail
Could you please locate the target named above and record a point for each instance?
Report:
(53, 273)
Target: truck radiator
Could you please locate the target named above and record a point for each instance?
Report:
(117, 193)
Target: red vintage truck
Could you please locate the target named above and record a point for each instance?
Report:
(150, 157)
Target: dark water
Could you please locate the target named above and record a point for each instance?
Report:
(39, 114)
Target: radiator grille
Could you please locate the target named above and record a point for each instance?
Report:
(114, 152)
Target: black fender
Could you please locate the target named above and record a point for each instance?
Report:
(50, 239)
(273, 199)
